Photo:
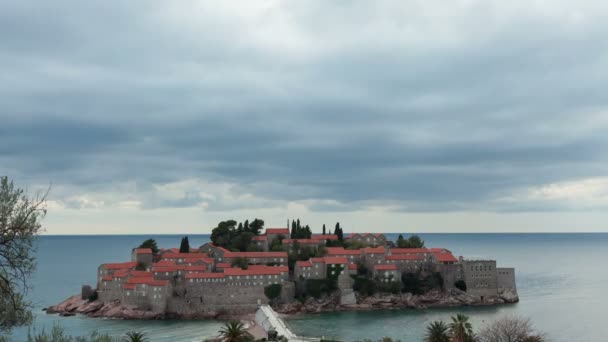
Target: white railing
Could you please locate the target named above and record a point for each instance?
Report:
(268, 319)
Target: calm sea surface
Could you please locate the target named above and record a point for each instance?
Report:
(561, 278)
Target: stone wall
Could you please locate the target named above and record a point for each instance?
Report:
(506, 278)
(450, 274)
(480, 277)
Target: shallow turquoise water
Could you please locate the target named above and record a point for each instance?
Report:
(561, 278)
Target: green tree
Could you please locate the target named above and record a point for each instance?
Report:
(324, 229)
(150, 243)
(20, 219)
(233, 331)
(437, 331)
(224, 232)
(272, 291)
(415, 242)
(401, 241)
(461, 330)
(240, 262)
(293, 230)
(256, 226)
(461, 285)
(135, 336)
(184, 246)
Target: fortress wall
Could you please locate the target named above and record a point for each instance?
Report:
(506, 278)
(450, 274)
(480, 277)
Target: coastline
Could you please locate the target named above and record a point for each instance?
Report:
(75, 305)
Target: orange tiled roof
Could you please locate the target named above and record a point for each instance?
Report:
(324, 237)
(375, 250)
(390, 267)
(408, 250)
(335, 260)
(142, 250)
(405, 257)
(120, 265)
(304, 263)
(203, 275)
(342, 251)
(283, 231)
(255, 255)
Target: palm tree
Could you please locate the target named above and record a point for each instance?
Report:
(437, 331)
(461, 329)
(135, 336)
(233, 331)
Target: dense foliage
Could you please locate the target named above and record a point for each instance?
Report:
(461, 285)
(234, 238)
(20, 219)
(420, 283)
(413, 241)
(272, 291)
(150, 243)
(298, 231)
(184, 246)
(240, 262)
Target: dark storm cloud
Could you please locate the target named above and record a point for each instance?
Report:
(376, 108)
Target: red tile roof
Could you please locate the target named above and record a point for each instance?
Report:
(283, 231)
(106, 278)
(317, 260)
(120, 273)
(303, 241)
(278, 267)
(203, 275)
(352, 266)
(255, 255)
(408, 250)
(405, 257)
(164, 263)
(147, 281)
(171, 268)
(120, 265)
(140, 274)
(142, 250)
(191, 268)
(342, 251)
(376, 250)
(304, 263)
(445, 257)
(335, 260)
(324, 237)
(222, 265)
(269, 270)
(389, 267)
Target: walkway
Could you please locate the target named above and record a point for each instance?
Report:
(269, 319)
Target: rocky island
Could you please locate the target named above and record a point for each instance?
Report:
(294, 271)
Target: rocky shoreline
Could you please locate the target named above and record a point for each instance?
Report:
(330, 303)
(432, 299)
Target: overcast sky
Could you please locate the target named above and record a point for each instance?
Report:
(388, 116)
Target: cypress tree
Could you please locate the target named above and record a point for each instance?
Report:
(184, 246)
(324, 229)
(246, 226)
(293, 229)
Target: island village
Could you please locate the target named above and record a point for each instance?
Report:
(292, 271)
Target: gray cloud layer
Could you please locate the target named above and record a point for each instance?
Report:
(421, 106)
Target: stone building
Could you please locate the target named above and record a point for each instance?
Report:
(480, 277)
(370, 239)
(142, 256)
